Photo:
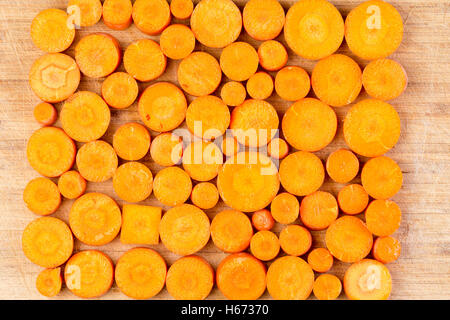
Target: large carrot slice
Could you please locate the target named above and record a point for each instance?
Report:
(232, 55)
(202, 160)
(233, 93)
(278, 148)
(292, 83)
(386, 249)
(172, 186)
(285, 208)
(117, 14)
(262, 220)
(133, 182)
(151, 16)
(272, 55)
(177, 41)
(166, 149)
(265, 245)
(263, 19)
(381, 177)
(295, 240)
(49, 282)
(260, 86)
(144, 59)
(342, 165)
(45, 114)
(90, 11)
(41, 195)
(231, 231)
(320, 260)
(205, 195)
(120, 90)
(353, 199)
(327, 287)
(230, 146)
(383, 217)
(318, 210)
(71, 184)
(131, 141)
(181, 9)
(97, 161)
(140, 224)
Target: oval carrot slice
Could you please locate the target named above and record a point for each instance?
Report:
(181, 9)
(231, 58)
(383, 217)
(285, 208)
(144, 59)
(97, 161)
(151, 17)
(90, 11)
(320, 260)
(278, 148)
(260, 86)
(231, 231)
(295, 240)
(205, 195)
(262, 220)
(263, 19)
(381, 177)
(117, 14)
(233, 93)
(166, 149)
(272, 55)
(318, 210)
(342, 165)
(172, 186)
(327, 287)
(131, 141)
(292, 83)
(133, 182)
(45, 114)
(120, 90)
(49, 282)
(71, 184)
(41, 195)
(386, 249)
(177, 41)
(202, 160)
(230, 146)
(140, 224)
(264, 245)
(353, 199)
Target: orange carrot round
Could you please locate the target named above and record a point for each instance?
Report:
(233, 93)
(177, 41)
(71, 184)
(49, 282)
(140, 224)
(181, 9)
(41, 195)
(90, 11)
(231, 231)
(260, 85)
(202, 160)
(151, 17)
(120, 90)
(131, 141)
(278, 148)
(172, 186)
(292, 83)
(117, 14)
(342, 165)
(231, 58)
(166, 149)
(272, 55)
(263, 19)
(327, 287)
(383, 217)
(205, 195)
(97, 161)
(230, 146)
(318, 210)
(133, 182)
(386, 249)
(262, 220)
(285, 208)
(264, 245)
(45, 114)
(381, 177)
(320, 260)
(144, 59)
(353, 199)
(295, 240)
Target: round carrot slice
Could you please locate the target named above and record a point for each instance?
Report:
(184, 229)
(172, 186)
(241, 277)
(314, 29)
(131, 141)
(285, 208)
(45, 114)
(97, 161)
(263, 19)
(47, 242)
(386, 249)
(230, 146)
(151, 17)
(342, 165)
(177, 41)
(278, 148)
(320, 260)
(89, 274)
(327, 287)
(348, 239)
(71, 184)
(295, 240)
(117, 14)
(264, 245)
(248, 181)
(140, 273)
(120, 90)
(318, 210)
(216, 23)
(301, 173)
(272, 55)
(50, 151)
(233, 93)
(353, 199)
(41, 195)
(166, 149)
(231, 58)
(95, 219)
(133, 182)
(181, 9)
(202, 160)
(260, 86)
(144, 60)
(290, 278)
(90, 11)
(231, 231)
(383, 217)
(292, 83)
(381, 177)
(49, 282)
(262, 220)
(205, 195)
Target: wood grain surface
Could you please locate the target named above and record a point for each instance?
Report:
(423, 151)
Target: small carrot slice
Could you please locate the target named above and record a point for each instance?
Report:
(272, 55)
(71, 184)
(133, 182)
(230, 146)
(131, 141)
(120, 90)
(90, 11)
(342, 165)
(140, 224)
(202, 160)
(233, 93)
(97, 161)
(49, 282)
(386, 249)
(232, 55)
(278, 148)
(166, 149)
(285, 208)
(144, 59)
(327, 287)
(353, 199)
(260, 85)
(320, 260)
(383, 217)
(45, 114)
(151, 16)
(262, 220)
(172, 186)
(205, 195)
(41, 195)
(117, 14)
(381, 177)
(263, 19)
(295, 240)
(241, 277)
(264, 245)
(181, 9)
(177, 41)
(318, 210)
(292, 83)
(231, 231)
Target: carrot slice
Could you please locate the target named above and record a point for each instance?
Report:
(120, 90)
(45, 114)
(172, 186)
(117, 14)
(295, 240)
(181, 9)
(230, 146)
(140, 224)
(320, 260)
(241, 277)
(89, 274)
(205, 195)
(95, 219)
(353, 199)
(262, 220)
(264, 245)
(348, 239)
(318, 210)
(386, 249)
(54, 77)
(290, 278)
(131, 141)
(381, 177)
(327, 287)
(272, 55)
(202, 160)
(285, 208)
(231, 231)
(301, 173)
(133, 182)
(342, 165)
(260, 85)
(50, 32)
(216, 23)
(231, 58)
(233, 93)
(71, 184)
(383, 217)
(50, 151)
(47, 242)
(151, 17)
(278, 148)
(367, 280)
(41, 195)
(49, 282)
(263, 19)
(90, 11)
(184, 229)
(97, 161)
(292, 83)
(166, 149)
(144, 59)
(177, 41)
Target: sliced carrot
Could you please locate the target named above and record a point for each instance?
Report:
(241, 277)
(95, 219)
(230, 146)
(166, 149)
(47, 242)
(50, 151)
(172, 186)
(202, 160)
(348, 239)
(177, 41)
(45, 114)
(278, 148)
(49, 282)
(290, 278)
(367, 280)
(131, 141)
(90, 11)
(133, 182)
(342, 165)
(272, 55)
(231, 58)
(353, 199)
(383, 217)
(262, 220)
(285, 208)
(327, 287)
(120, 90)
(264, 245)
(140, 224)
(231, 231)
(233, 93)
(260, 85)
(117, 14)
(181, 9)
(320, 260)
(144, 59)
(205, 195)
(97, 161)
(386, 249)
(295, 240)
(381, 177)
(71, 184)
(263, 19)
(41, 195)
(151, 17)
(184, 229)
(318, 210)
(292, 83)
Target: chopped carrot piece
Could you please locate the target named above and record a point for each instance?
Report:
(262, 220)
(184, 229)
(348, 239)
(47, 242)
(231, 231)
(41, 195)
(342, 165)
(381, 177)
(292, 83)
(90, 11)
(95, 219)
(181, 9)
(386, 249)
(233, 93)
(177, 41)
(320, 260)
(241, 277)
(120, 90)
(278, 148)
(318, 210)
(202, 160)
(45, 114)
(384, 79)
(383, 217)
(272, 55)
(97, 161)
(117, 14)
(353, 199)
(205, 195)
(285, 208)
(231, 58)
(133, 182)
(327, 287)
(131, 141)
(295, 240)
(140, 224)
(166, 149)
(151, 16)
(144, 59)
(260, 85)
(49, 282)
(172, 186)
(263, 19)
(71, 184)
(264, 245)
(230, 146)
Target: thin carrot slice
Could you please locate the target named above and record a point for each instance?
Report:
(383, 217)
(41, 195)
(71, 184)
(260, 85)
(320, 260)
(278, 148)
(263, 19)
(47, 242)
(90, 11)
(272, 55)
(231, 231)
(202, 160)
(384, 79)
(181, 9)
(95, 219)
(285, 208)
(241, 277)
(348, 239)
(49, 282)
(166, 149)
(131, 141)
(133, 182)
(89, 274)
(230, 146)
(45, 114)
(292, 83)
(295, 240)
(177, 41)
(381, 177)
(233, 93)
(172, 186)
(290, 278)
(318, 210)
(205, 195)
(117, 14)
(353, 199)
(144, 59)
(50, 151)
(386, 249)
(140, 224)
(262, 220)
(232, 55)
(151, 16)
(342, 165)
(264, 245)
(327, 287)
(120, 90)
(184, 229)
(97, 161)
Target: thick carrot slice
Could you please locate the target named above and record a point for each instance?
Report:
(262, 220)
(184, 229)
(199, 74)
(264, 245)
(290, 278)
(85, 116)
(131, 141)
(231, 231)
(97, 161)
(260, 85)
(353, 199)
(133, 182)
(348, 239)
(295, 240)
(337, 80)
(166, 149)
(386, 249)
(207, 117)
(301, 173)
(50, 151)
(278, 148)
(230, 146)
(231, 58)
(272, 55)
(381, 177)
(371, 128)
(90, 11)
(177, 41)
(384, 79)
(233, 93)
(144, 59)
(89, 274)
(95, 219)
(285, 208)
(248, 181)
(367, 280)
(327, 287)
(151, 16)
(292, 83)
(318, 210)
(263, 19)
(314, 29)
(45, 114)
(172, 186)
(241, 277)
(202, 160)
(205, 195)
(309, 125)
(342, 165)
(49, 282)
(181, 9)
(140, 273)
(49, 31)
(140, 224)
(373, 30)
(98, 55)
(383, 217)
(320, 260)
(71, 184)
(54, 77)
(47, 242)
(41, 195)
(216, 23)
(117, 14)
(120, 90)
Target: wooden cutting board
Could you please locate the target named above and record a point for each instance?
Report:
(423, 152)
